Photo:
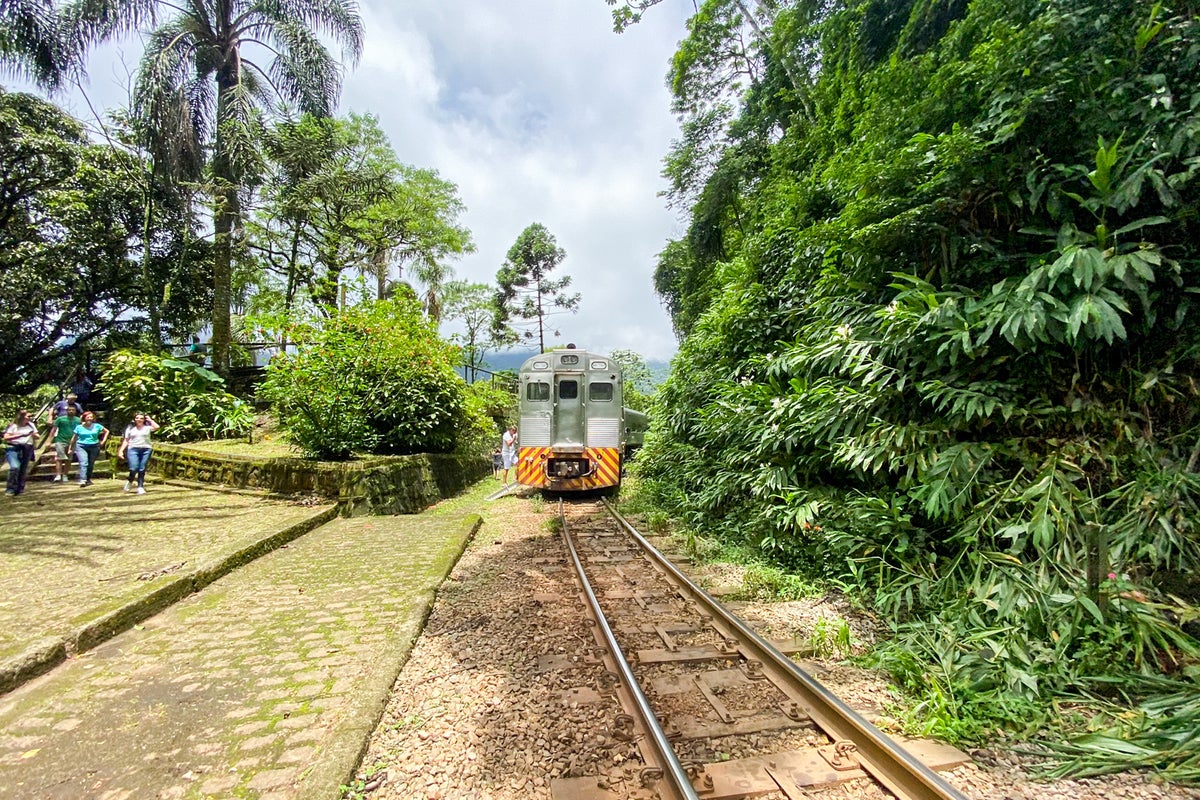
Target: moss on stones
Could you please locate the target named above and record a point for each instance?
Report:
(379, 485)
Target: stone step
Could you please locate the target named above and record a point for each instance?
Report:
(44, 471)
(102, 469)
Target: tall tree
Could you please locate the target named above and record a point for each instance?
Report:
(527, 294)
(638, 384)
(208, 45)
(336, 198)
(69, 216)
(729, 42)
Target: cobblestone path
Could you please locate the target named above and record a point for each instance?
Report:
(265, 684)
(70, 555)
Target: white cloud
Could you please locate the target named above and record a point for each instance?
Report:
(543, 114)
(538, 112)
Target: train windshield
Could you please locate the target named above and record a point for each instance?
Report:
(568, 390)
(600, 392)
(537, 390)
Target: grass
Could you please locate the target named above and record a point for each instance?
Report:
(263, 448)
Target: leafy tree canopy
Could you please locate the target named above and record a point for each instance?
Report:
(71, 225)
(199, 86)
(638, 384)
(335, 198)
(470, 304)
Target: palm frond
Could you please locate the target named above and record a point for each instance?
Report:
(304, 71)
(34, 43)
(240, 128)
(169, 101)
(338, 19)
(93, 21)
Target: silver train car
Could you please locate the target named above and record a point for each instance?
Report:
(574, 432)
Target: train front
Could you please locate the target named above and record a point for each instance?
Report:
(571, 422)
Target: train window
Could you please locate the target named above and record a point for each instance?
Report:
(536, 390)
(600, 391)
(568, 359)
(568, 390)
(541, 365)
(600, 365)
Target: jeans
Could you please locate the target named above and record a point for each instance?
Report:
(86, 455)
(138, 458)
(18, 457)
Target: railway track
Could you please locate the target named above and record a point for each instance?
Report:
(715, 711)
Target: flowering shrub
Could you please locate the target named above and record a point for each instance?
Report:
(371, 379)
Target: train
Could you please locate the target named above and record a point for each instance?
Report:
(574, 433)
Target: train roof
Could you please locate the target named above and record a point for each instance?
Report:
(575, 359)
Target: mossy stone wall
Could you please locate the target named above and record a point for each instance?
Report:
(378, 485)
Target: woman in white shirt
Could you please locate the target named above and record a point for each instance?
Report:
(18, 450)
(136, 443)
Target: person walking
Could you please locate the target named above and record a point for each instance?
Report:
(18, 450)
(135, 445)
(60, 408)
(88, 438)
(508, 451)
(64, 429)
(82, 389)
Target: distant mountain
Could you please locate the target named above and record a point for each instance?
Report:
(513, 359)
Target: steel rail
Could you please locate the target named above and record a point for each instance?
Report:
(889, 763)
(677, 783)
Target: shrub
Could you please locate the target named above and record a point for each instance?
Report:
(374, 378)
(10, 404)
(187, 400)
(483, 426)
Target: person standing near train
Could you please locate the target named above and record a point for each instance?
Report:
(87, 440)
(18, 450)
(508, 451)
(136, 443)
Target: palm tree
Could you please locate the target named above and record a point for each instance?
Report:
(31, 42)
(207, 45)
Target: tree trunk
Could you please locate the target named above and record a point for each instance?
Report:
(225, 214)
(790, 68)
(222, 276)
(541, 322)
(154, 292)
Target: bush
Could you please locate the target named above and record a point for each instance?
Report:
(187, 400)
(10, 404)
(372, 379)
(487, 410)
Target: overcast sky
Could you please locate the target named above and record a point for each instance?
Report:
(538, 112)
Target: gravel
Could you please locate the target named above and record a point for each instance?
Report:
(502, 694)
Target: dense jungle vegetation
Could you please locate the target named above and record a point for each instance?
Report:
(937, 301)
